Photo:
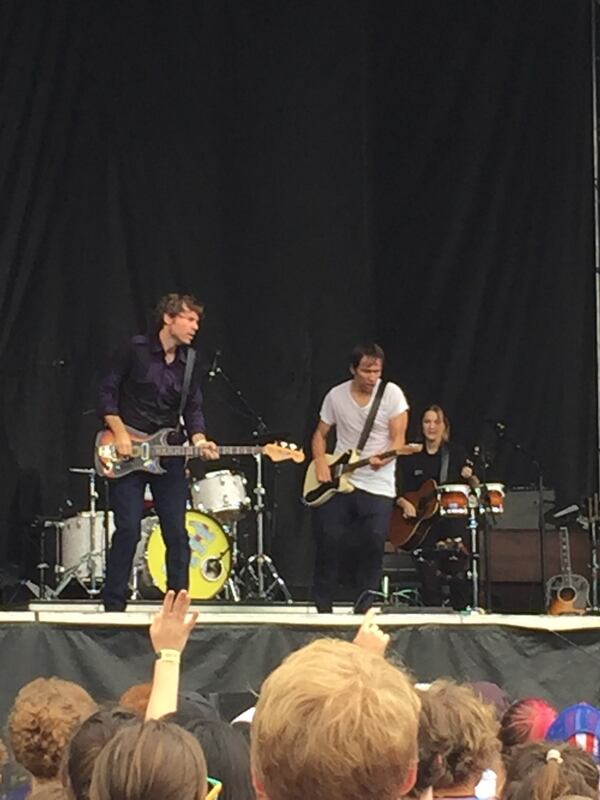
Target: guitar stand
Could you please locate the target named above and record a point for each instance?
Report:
(260, 575)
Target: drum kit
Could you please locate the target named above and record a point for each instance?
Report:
(218, 502)
(471, 505)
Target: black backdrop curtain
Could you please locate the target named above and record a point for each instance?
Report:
(319, 173)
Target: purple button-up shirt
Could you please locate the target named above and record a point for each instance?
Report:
(145, 391)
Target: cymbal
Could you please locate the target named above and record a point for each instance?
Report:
(83, 470)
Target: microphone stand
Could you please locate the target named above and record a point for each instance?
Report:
(259, 567)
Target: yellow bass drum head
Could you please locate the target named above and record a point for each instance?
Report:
(210, 562)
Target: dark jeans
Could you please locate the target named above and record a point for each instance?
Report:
(170, 493)
(370, 515)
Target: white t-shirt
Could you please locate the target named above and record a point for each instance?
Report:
(341, 409)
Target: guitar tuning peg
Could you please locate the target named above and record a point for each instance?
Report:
(284, 444)
(293, 446)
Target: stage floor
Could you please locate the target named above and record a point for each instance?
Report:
(296, 614)
(234, 647)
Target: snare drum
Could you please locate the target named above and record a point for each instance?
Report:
(491, 498)
(453, 499)
(83, 548)
(221, 494)
(210, 562)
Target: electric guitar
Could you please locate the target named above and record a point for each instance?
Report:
(567, 593)
(409, 532)
(148, 449)
(342, 465)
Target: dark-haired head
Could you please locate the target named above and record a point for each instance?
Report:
(226, 751)
(86, 744)
(173, 304)
(366, 350)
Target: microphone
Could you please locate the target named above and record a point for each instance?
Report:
(214, 368)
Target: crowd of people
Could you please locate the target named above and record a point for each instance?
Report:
(336, 719)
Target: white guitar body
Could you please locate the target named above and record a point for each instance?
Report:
(315, 493)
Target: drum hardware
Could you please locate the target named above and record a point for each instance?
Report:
(44, 592)
(259, 573)
(473, 528)
(233, 587)
(210, 559)
(259, 568)
(221, 494)
(84, 541)
(474, 503)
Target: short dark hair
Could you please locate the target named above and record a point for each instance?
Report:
(172, 304)
(226, 751)
(86, 744)
(368, 349)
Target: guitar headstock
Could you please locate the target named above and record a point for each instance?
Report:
(409, 449)
(284, 451)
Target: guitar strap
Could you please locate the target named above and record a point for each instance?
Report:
(445, 464)
(366, 431)
(190, 360)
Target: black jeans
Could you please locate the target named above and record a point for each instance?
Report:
(170, 493)
(370, 514)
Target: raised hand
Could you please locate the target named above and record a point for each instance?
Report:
(370, 636)
(170, 629)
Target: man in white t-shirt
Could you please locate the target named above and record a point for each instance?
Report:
(369, 507)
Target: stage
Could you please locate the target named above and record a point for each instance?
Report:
(234, 647)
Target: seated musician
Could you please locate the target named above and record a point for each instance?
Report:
(441, 559)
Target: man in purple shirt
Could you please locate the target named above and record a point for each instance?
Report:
(142, 390)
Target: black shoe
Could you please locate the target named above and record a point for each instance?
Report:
(115, 606)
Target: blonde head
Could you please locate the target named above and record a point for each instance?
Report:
(337, 722)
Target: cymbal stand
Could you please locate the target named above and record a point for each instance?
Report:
(260, 567)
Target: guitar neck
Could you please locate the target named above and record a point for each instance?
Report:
(565, 553)
(193, 451)
(364, 461)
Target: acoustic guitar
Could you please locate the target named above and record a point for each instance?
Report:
(408, 533)
(567, 593)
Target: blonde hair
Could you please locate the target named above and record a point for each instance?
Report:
(43, 718)
(154, 760)
(335, 721)
(458, 736)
